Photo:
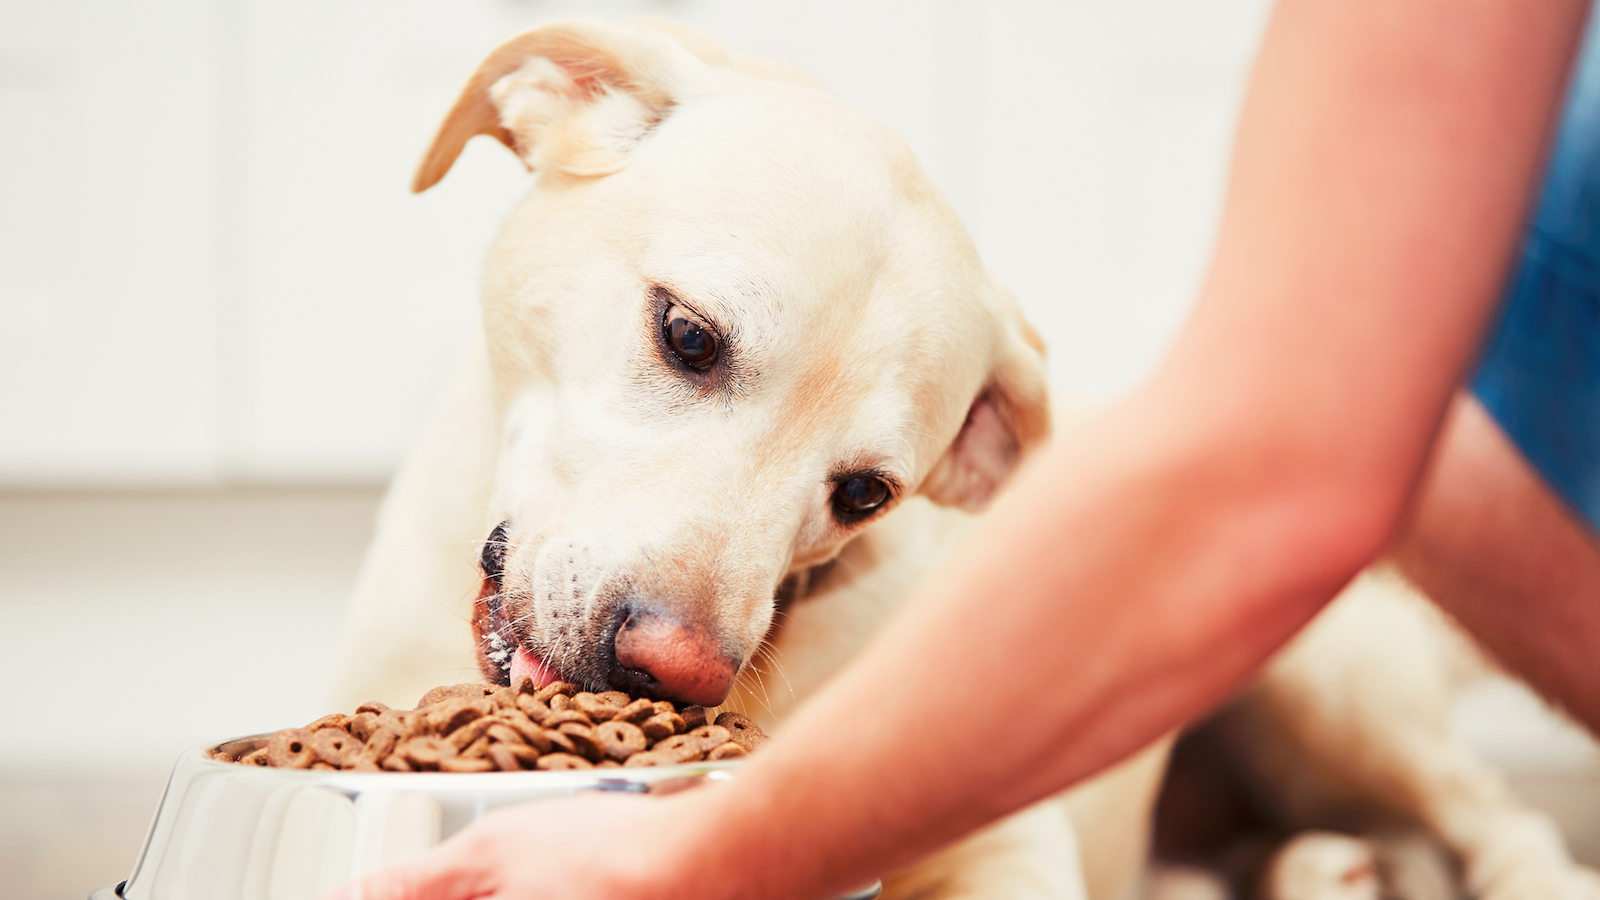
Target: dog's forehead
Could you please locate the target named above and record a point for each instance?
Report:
(757, 192)
(771, 208)
(797, 224)
(787, 190)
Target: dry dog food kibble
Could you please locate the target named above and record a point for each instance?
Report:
(486, 728)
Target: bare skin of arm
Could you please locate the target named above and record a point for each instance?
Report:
(1126, 583)
(1493, 545)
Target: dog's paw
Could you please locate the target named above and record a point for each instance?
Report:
(1172, 882)
(1415, 865)
(1319, 865)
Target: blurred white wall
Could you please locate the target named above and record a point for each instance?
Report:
(211, 271)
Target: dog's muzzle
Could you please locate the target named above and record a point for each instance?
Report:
(644, 650)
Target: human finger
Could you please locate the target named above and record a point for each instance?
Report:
(445, 873)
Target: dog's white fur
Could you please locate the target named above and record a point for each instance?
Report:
(868, 335)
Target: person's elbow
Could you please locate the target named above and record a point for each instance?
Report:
(1311, 517)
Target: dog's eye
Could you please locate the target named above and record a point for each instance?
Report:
(859, 496)
(690, 341)
(493, 557)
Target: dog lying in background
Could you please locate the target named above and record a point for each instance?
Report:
(742, 383)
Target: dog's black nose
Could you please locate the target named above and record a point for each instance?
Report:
(493, 556)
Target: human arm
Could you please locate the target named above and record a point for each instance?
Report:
(1491, 543)
(1384, 160)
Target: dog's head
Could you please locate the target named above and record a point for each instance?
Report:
(732, 325)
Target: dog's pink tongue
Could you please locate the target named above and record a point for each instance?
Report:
(525, 663)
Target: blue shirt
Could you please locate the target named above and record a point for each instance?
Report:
(1540, 371)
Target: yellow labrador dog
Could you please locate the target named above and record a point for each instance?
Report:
(742, 383)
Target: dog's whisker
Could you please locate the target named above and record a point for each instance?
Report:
(761, 683)
(772, 657)
(753, 672)
(928, 434)
(772, 667)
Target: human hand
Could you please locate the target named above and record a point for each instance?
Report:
(596, 846)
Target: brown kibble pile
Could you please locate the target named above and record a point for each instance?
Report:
(487, 728)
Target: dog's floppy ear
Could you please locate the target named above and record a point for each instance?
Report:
(571, 97)
(1008, 418)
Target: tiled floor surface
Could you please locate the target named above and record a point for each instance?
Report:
(135, 625)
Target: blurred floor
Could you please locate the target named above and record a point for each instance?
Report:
(61, 837)
(133, 625)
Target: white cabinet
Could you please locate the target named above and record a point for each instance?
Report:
(108, 240)
(356, 294)
(211, 268)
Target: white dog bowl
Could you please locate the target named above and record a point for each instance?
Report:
(229, 832)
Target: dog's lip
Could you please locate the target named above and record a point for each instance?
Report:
(502, 642)
(526, 662)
